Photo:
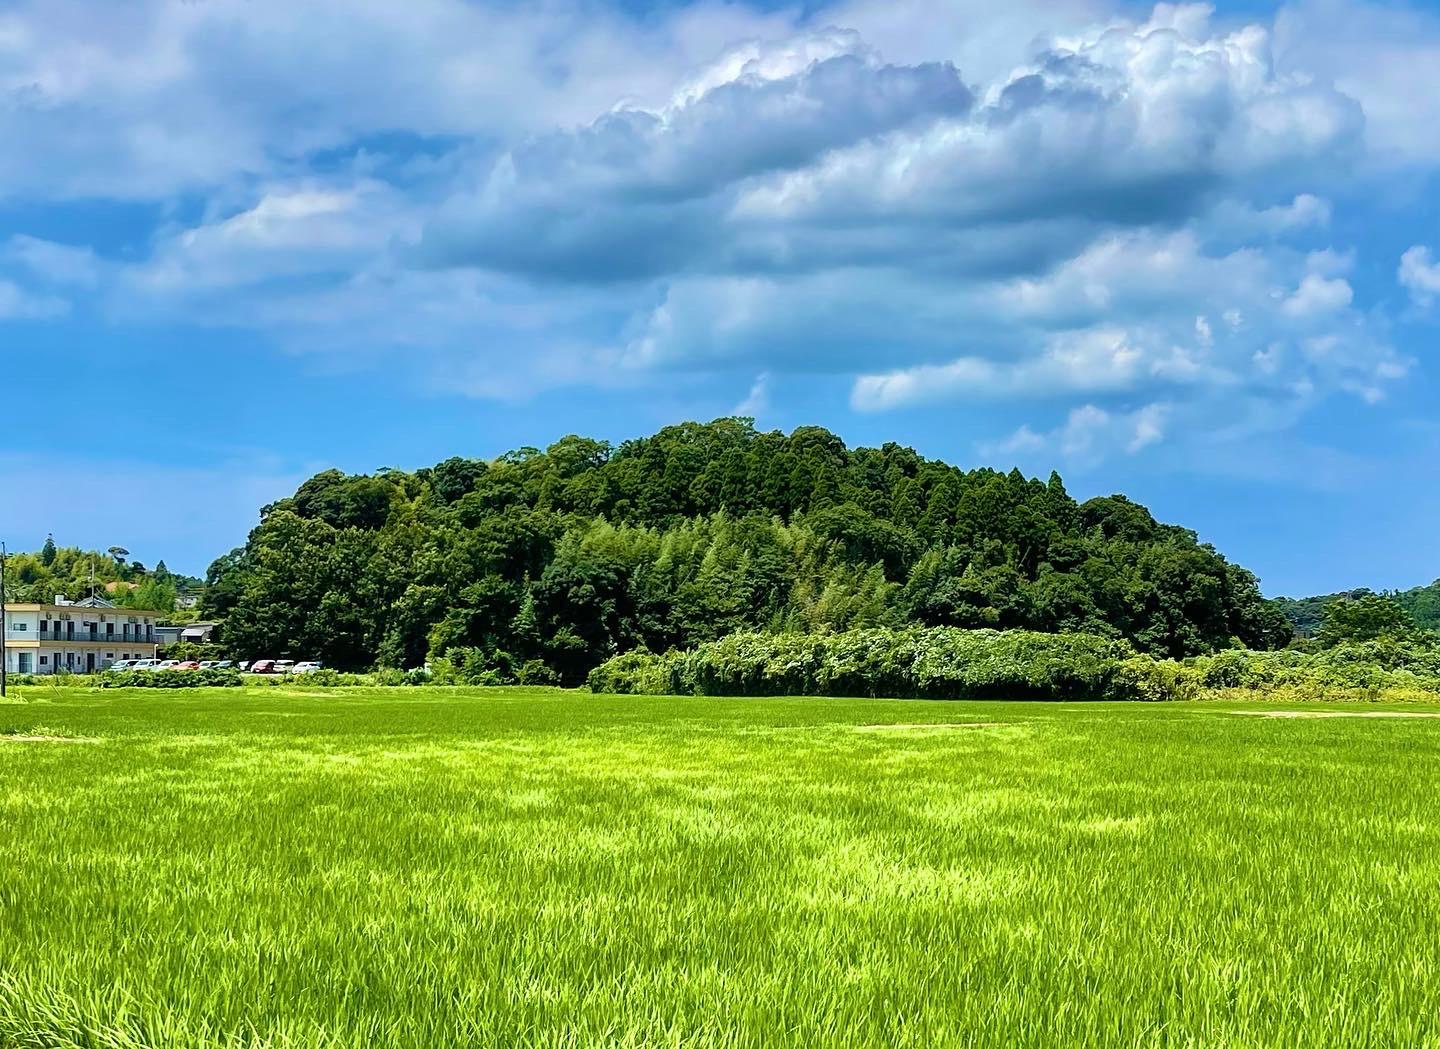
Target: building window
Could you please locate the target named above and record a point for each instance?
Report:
(24, 662)
(44, 660)
(19, 626)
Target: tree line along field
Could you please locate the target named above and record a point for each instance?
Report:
(702, 547)
(428, 867)
(536, 567)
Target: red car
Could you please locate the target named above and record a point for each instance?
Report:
(188, 665)
(263, 666)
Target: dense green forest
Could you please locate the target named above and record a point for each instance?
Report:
(541, 565)
(70, 572)
(1307, 614)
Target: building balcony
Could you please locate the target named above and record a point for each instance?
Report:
(64, 636)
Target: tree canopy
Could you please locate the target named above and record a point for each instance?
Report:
(69, 571)
(540, 565)
(1307, 614)
(1365, 617)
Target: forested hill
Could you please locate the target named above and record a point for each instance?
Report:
(70, 572)
(1306, 614)
(546, 563)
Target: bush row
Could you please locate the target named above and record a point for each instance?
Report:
(939, 663)
(478, 666)
(946, 663)
(444, 673)
(207, 678)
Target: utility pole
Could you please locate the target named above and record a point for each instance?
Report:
(4, 622)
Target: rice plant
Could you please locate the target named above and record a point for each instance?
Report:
(436, 867)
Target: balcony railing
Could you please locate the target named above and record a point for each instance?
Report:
(139, 637)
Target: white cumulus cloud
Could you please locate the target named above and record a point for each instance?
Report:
(1420, 274)
(1088, 435)
(1047, 203)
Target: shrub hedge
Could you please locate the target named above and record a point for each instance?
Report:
(939, 663)
(207, 678)
(947, 663)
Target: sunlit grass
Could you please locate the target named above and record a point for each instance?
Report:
(429, 868)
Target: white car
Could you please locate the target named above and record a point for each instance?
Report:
(206, 664)
(145, 664)
(283, 666)
(123, 664)
(167, 664)
(306, 668)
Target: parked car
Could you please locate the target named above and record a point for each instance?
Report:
(223, 664)
(206, 664)
(123, 664)
(263, 666)
(308, 667)
(188, 664)
(243, 665)
(167, 664)
(284, 666)
(146, 664)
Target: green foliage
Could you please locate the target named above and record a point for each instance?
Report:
(935, 663)
(1308, 614)
(946, 663)
(568, 557)
(189, 651)
(208, 678)
(326, 678)
(248, 868)
(1366, 617)
(70, 572)
(1161, 680)
(1372, 669)
(152, 593)
(636, 673)
(1423, 604)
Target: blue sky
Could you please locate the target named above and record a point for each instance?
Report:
(1188, 254)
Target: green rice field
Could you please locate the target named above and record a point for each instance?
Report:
(469, 867)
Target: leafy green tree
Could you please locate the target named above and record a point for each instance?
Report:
(225, 583)
(455, 478)
(151, 593)
(573, 554)
(70, 572)
(1365, 617)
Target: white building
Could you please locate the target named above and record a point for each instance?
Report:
(80, 636)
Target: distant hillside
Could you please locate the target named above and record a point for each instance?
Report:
(542, 565)
(1307, 613)
(69, 571)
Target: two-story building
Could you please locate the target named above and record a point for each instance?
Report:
(76, 636)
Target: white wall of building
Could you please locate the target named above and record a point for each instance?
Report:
(46, 651)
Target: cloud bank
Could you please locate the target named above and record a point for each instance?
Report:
(1124, 227)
